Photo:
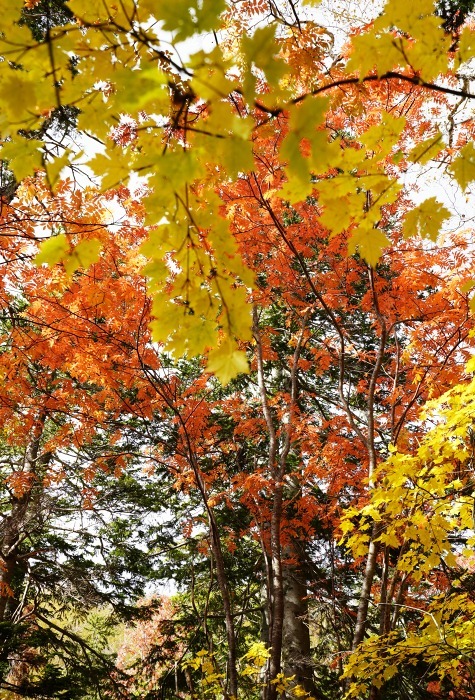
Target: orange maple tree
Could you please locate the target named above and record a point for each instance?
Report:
(346, 346)
(343, 355)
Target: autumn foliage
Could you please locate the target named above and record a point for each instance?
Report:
(236, 352)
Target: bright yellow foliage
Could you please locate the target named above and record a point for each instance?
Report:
(196, 120)
(422, 502)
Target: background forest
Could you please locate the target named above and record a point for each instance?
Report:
(237, 438)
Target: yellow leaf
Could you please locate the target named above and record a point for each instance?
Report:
(24, 156)
(426, 219)
(235, 315)
(466, 45)
(380, 53)
(233, 155)
(54, 167)
(384, 48)
(427, 150)
(202, 336)
(390, 539)
(249, 670)
(470, 366)
(113, 167)
(463, 167)
(429, 54)
(52, 250)
(187, 17)
(18, 95)
(382, 137)
(157, 272)
(170, 173)
(259, 50)
(304, 119)
(389, 672)
(451, 559)
(209, 75)
(94, 12)
(369, 242)
(138, 88)
(83, 255)
(226, 362)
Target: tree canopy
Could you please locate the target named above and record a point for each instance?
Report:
(187, 121)
(251, 191)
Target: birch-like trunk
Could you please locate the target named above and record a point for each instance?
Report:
(296, 652)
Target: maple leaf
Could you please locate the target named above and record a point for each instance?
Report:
(226, 362)
(463, 167)
(52, 250)
(26, 154)
(426, 219)
(369, 242)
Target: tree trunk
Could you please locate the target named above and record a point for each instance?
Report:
(365, 595)
(277, 620)
(226, 598)
(15, 529)
(7, 572)
(296, 655)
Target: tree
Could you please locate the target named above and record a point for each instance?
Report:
(210, 112)
(437, 518)
(295, 170)
(72, 520)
